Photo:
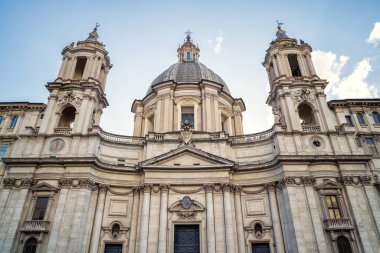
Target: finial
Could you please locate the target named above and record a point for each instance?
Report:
(96, 26)
(279, 24)
(93, 36)
(188, 38)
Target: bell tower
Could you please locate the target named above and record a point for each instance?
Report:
(77, 96)
(296, 92)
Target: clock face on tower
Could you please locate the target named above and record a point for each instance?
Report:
(57, 145)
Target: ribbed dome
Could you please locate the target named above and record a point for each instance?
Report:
(188, 72)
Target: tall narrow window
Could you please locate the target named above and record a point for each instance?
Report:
(360, 117)
(349, 120)
(79, 68)
(188, 56)
(375, 115)
(294, 66)
(1, 120)
(333, 207)
(40, 208)
(13, 122)
(30, 246)
(3, 149)
(187, 114)
(371, 146)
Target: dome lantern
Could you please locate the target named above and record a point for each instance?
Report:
(188, 51)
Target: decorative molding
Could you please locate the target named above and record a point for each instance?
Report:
(87, 183)
(186, 191)
(208, 187)
(308, 181)
(365, 180)
(271, 186)
(303, 95)
(186, 208)
(164, 187)
(65, 182)
(8, 182)
(227, 187)
(69, 98)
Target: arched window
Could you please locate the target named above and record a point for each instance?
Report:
(343, 245)
(67, 117)
(306, 115)
(30, 246)
(375, 115)
(13, 122)
(258, 229)
(115, 231)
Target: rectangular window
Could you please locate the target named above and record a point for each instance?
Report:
(186, 238)
(187, 114)
(79, 68)
(260, 248)
(40, 208)
(333, 207)
(294, 66)
(1, 120)
(360, 117)
(13, 122)
(358, 142)
(113, 248)
(349, 120)
(371, 146)
(3, 150)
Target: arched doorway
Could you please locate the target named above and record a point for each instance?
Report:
(344, 245)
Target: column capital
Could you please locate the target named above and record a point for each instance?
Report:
(271, 186)
(65, 182)
(226, 187)
(103, 188)
(308, 181)
(87, 183)
(146, 187)
(208, 187)
(164, 187)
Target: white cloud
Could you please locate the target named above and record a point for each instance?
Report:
(374, 37)
(354, 85)
(218, 43)
(328, 67)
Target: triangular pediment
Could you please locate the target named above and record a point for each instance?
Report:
(44, 187)
(329, 184)
(186, 157)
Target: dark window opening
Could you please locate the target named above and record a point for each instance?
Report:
(333, 207)
(358, 142)
(40, 208)
(3, 149)
(13, 122)
(360, 117)
(371, 146)
(306, 114)
(375, 115)
(79, 68)
(343, 245)
(349, 120)
(30, 246)
(294, 66)
(258, 229)
(1, 120)
(115, 231)
(187, 114)
(67, 117)
(188, 56)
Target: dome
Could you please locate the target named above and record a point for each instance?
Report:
(188, 72)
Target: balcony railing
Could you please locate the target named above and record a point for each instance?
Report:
(338, 224)
(253, 137)
(36, 226)
(311, 128)
(63, 130)
(120, 138)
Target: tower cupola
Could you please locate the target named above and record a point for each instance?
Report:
(188, 51)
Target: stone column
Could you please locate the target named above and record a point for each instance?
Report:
(239, 220)
(271, 187)
(163, 219)
(210, 235)
(79, 119)
(88, 115)
(310, 64)
(208, 112)
(135, 214)
(230, 240)
(279, 65)
(94, 245)
(49, 114)
(275, 67)
(137, 131)
(144, 225)
(238, 122)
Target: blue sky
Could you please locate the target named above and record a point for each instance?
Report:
(142, 38)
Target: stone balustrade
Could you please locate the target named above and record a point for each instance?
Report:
(311, 128)
(36, 226)
(63, 130)
(253, 137)
(338, 224)
(120, 138)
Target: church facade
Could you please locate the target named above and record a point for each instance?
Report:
(189, 180)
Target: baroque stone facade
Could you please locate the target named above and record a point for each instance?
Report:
(189, 179)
